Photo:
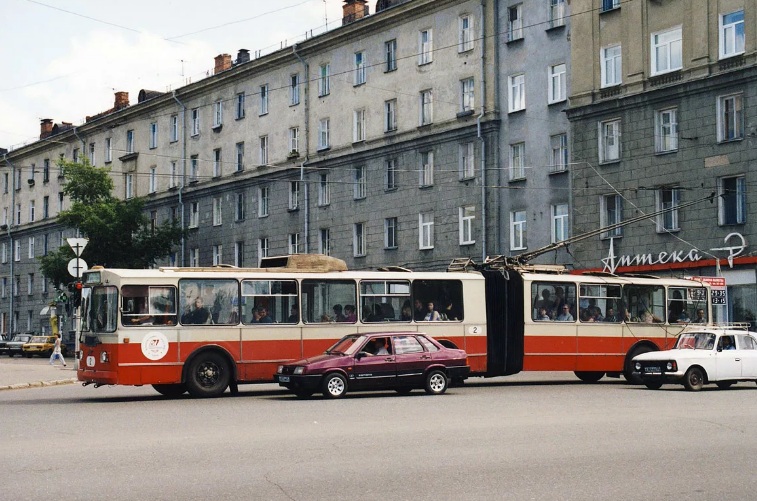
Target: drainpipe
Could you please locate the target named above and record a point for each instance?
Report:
(184, 170)
(306, 99)
(83, 152)
(478, 130)
(11, 323)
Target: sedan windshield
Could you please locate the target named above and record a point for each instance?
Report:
(38, 339)
(696, 341)
(347, 345)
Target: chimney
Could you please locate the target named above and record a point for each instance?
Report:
(45, 128)
(223, 63)
(243, 56)
(122, 100)
(352, 10)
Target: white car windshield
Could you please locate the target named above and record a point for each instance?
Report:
(696, 341)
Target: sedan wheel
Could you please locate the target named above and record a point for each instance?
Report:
(436, 382)
(724, 385)
(589, 377)
(334, 385)
(694, 379)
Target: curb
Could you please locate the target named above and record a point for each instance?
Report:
(38, 384)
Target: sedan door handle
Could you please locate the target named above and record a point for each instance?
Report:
(389, 359)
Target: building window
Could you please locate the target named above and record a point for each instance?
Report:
(427, 169)
(240, 106)
(559, 145)
(731, 34)
(217, 211)
(667, 199)
(294, 140)
(194, 168)
(153, 182)
(263, 100)
(609, 141)
(45, 173)
(217, 113)
(323, 134)
(239, 254)
(17, 250)
(194, 214)
(241, 210)
(153, 135)
(324, 241)
(518, 230)
(32, 245)
(294, 243)
(425, 230)
(75, 153)
(358, 127)
(129, 144)
(263, 248)
(557, 90)
(612, 64)
(732, 200)
(263, 201)
(60, 201)
(324, 190)
(390, 115)
(30, 284)
(359, 68)
(516, 92)
(390, 55)
(361, 184)
(324, 80)
(240, 157)
(129, 186)
(730, 117)
(294, 89)
(4, 253)
(611, 212)
(18, 214)
(467, 95)
(358, 239)
(32, 211)
(465, 39)
(556, 13)
(427, 107)
(174, 128)
(666, 130)
(466, 218)
(610, 5)
(173, 176)
(92, 155)
(666, 51)
(294, 195)
(390, 233)
(195, 121)
(194, 257)
(391, 175)
(45, 207)
(559, 223)
(426, 46)
(263, 150)
(517, 161)
(217, 255)
(467, 158)
(514, 23)
(217, 162)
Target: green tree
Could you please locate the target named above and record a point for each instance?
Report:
(120, 234)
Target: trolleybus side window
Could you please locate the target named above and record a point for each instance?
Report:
(443, 296)
(599, 303)
(207, 301)
(549, 301)
(319, 298)
(277, 297)
(148, 305)
(386, 300)
(683, 303)
(644, 303)
(99, 309)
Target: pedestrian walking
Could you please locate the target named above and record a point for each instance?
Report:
(56, 352)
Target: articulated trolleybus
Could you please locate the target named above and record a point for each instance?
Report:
(204, 330)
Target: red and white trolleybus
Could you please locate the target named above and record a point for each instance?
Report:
(204, 330)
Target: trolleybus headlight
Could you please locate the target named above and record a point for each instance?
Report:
(637, 366)
(103, 357)
(280, 369)
(299, 370)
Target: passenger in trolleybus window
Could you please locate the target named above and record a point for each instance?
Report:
(198, 314)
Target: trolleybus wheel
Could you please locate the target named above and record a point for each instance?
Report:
(589, 376)
(208, 375)
(436, 382)
(628, 369)
(170, 390)
(334, 385)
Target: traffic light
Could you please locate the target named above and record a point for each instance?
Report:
(75, 289)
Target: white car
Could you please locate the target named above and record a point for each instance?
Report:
(702, 355)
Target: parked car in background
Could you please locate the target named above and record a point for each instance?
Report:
(401, 361)
(723, 356)
(3, 344)
(15, 345)
(41, 345)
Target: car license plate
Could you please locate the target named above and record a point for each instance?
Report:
(283, 379)
(651, 370)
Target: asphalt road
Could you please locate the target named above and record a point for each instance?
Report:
(530, 437)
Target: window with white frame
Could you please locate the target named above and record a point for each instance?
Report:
(173, 175)
(390, 233)
(467, 95)
(294, 89)
(30, 284)
(239, 108)
(240, 157)
(732, 200)
(425, 46)
(17, 250)
(263, 248)
(294, 195)
(557, 83)
(194, 214)
(559, 159)
(516, 93)
(194, 168)
(358, 239)
(32, 247)
(153, 180)
(324, 190)
(612, 66)
(466, 218)
(129, 144)
(427, 107)
(194, 257)
(32, 211)
(610, 5)
(359, 68)
(263, 150)
(324, 80)
(45, 172)
(217, 255)
(18, 214)
(390, 178)
(730, 117)
(426, 230)
(515, 22)
(667, 199)
(559, 222)
(390, 55)
(93, 160)
(666, 51)
(241, 208)
(609, 141)
(218, 113)
(466, 154)
(324, 241)
(217, 211)
(129, 185)
(666, 130)
(263, 194)
(174, 121)
(611, 212)
(4, 253)
(294, 140)
(517, 161)
(239, 254)
(323, 134)
(358, 126)
(294, 243)
(217, 162)
(195, 121)
(427, 169)
(556, 13)
(732, 40)
(153, 135)
(390, 115)
(465, 37)
(263, 100)
(361, 182)
(518, 231)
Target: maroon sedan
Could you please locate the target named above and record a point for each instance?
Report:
(401, 361)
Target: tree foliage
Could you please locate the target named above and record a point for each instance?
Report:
(120, 234)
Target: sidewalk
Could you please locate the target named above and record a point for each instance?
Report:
(18, 372)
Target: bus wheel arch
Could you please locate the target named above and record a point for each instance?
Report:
(636, 350)
(208, 372)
